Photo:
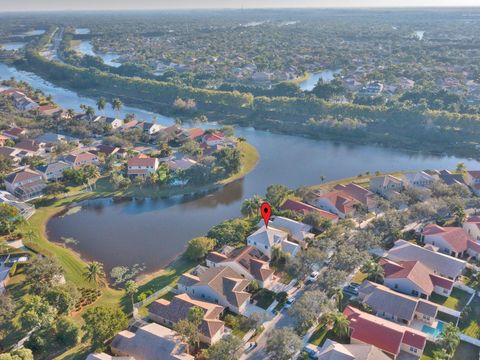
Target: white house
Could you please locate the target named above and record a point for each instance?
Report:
(25, 184)
(265, 239)
(297, 230)
(151, 128)
(385, 185)
(454, 241)
(81, 159)
(419, 179)
(53, 171)
(472, 227)
(142, 165)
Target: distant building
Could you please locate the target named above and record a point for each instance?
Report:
(386, 185)
(25, 184)
(53, 171)
(81, 159)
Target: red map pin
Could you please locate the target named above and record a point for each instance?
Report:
(266, 211)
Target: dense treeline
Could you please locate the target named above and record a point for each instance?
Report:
(397, 124)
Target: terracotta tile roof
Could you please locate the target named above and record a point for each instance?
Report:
(416, 272)
(357, 192)
(340, 199)
(178, 309)
(305, 209)
(216, 257)
(142, 160)
(195, 133)
(29, 145)
(455, 236)
(386, 335)
(22, 175)
(84, 156)
(107, 149)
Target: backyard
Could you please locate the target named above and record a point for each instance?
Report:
(322, 333)
(470, 322)
(457, 300)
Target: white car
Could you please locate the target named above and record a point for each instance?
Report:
(289, 302)
(313, 277)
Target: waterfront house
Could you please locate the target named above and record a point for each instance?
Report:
(449, 178)
(81, 159)
(49, 110)
(414, 278)
(151, 128)
(473, 180)
(305, 209)
(25, 184)
(393, 339)
(214, 138)
(23, 208)
(169, 313)
(113, 122)
(184, 163)
(298, 231)
(150, 342)
(53, 171)
(419, 180)
(395, 306)
(386, 185)
(337, 202)
(451, 240)
(190, 134)
(266, 238)
(438, 263)
(141, 165)
(218, 285)
(247, 261)
(362, 195)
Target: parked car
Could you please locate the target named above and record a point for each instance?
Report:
(312, 277)
(350, 290)
(289, 302)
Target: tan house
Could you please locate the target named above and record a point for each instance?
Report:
(385, 185)
(337, 202)
(247, 261)
(219, 285)
(168, 313)
(151, 342)
(81, 159)
(362, 195)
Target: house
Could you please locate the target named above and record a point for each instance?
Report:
(419, 180)
(393, 339)
(15, 133)
(414, 278)
(51, 138)
(25, 184)
(451, 240)
(12, 153)
(142, 165)
(23, 102)
(3, 140)
(132, 124)
(53, 171)
(25, 209)
(305, 209)
(219, 285)
(81, 159)
(441, 264)
(395, 306)
(184, 163)
(472, 227)
(104, 356)
(169, 313)
(49, 110)
(190, 134)
(373, 89)
(266, 238)
(473, 180)
(31, 146)
(107, 150)
(337, 202)
(362, 195)
(297, 230)
(113, 122)
(214, 138)
(450, 179)
(332, 350)
(151, 128)
(150, 342)
(247, 261)
(385, 185)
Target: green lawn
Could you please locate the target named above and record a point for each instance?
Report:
(457, 300)
(322, 333)
(470, 325)
(446, 318)
(264, 298)
(428, 351)
(466, 351)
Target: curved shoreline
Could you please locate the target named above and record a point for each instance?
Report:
(249, 162)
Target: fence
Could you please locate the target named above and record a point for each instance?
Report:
(151, 299)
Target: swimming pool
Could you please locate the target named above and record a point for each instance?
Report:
(433, 331)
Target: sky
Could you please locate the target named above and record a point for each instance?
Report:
(48, 5)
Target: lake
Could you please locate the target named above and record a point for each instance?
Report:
(312, 80)
(152, 232)
(12, 46)
(86, 48)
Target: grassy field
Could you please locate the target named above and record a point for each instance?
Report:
(457, 299)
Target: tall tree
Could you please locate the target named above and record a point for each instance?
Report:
(276, 195)
(101, 103)
(449, 339)
(117, 105)
(373, 270)
(228, 348)
(283, 344)
(250, 207)
(43, 274)
(131, 288)
(101, 323)
(338, 322)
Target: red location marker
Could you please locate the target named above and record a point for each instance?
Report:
(266, 211)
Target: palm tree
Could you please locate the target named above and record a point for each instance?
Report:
(373, 270)
(90, 112)
(461, 168)
(131, 289)
(337, 322)
(250, 206)
(117, 105)
(101, 103)
(337, 293)
(440, 354)
(322, 178)
(449, 339)
(70, 113)
(94, 273)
